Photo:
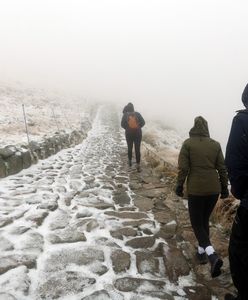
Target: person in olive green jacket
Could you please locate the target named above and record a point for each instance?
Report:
(201, 164)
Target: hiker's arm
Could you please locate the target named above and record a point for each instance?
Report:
(183, 164)
(124, 121)
(141, 120)
(221, 168)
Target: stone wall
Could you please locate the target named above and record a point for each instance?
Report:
(14, 158)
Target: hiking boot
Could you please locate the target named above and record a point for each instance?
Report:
(130, 163)
(216, 263)
(138, 168)
(202, 258)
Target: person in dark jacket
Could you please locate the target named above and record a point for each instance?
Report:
(201, 163)
(132, 122)
(237, 166)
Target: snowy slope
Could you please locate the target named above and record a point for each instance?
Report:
(165, 141)
(46, 112)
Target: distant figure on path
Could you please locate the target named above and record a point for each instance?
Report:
(132, 122)
(237, 166)
(201, 162)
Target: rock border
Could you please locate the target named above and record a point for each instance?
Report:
(14, 158)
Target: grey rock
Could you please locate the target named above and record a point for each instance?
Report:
(63, 283)
(69, 234)
(37, 217)
(176, 264)
(16, 280)
(146, 263)
(108, 186)
(26, 159)
(101, 205)
(89, 179)
(98, 295)
(60, 220)
(76, 185)
(80, 256)
(53, 205)
(126, 231)
(14, 163)
(3, 168)
(141, 242)
(33, 241)
(7, 151)
(5, 221)
(106, 242)
(120, 260)
(130, 284)
(127, 215)
(98, 268)
(153, 193)
(171, 227)
(121, 179)
(143, 203)
(83, 214)
(164, 216)
(5, 244)
(137, 223)
(18, 230)
(12, 261)
(121, 198)
(93, 224)
(34, 145)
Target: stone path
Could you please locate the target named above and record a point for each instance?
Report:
(81, 225)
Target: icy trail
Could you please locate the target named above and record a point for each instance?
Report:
(79, 225)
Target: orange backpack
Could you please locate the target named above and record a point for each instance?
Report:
(132, 121)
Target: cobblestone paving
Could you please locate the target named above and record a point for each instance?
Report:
(81, 225)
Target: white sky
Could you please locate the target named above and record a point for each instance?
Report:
(174, 59)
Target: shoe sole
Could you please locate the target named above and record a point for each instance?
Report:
(216, 269)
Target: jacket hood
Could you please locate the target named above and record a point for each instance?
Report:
(129, 107)
(200, 127)
(245, 96)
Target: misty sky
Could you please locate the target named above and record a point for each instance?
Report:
(174, 59)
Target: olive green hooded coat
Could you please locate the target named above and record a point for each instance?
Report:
(201, 162)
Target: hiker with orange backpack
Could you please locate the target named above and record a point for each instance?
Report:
(132, 122)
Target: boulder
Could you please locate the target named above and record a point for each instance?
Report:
(14, 163)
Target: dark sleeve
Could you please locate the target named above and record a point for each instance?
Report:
(237, 147)
(237, 156)
(183, 164)
(141, 120)
(221, 168)
(124, 121)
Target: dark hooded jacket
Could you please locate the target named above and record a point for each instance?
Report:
(201, 162)
(129, 108)
(237, 151)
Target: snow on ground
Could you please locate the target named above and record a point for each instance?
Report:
(49, 111)
(84, 174)
(46, 112)
(165, 140)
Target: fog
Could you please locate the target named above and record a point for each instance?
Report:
(174, 59)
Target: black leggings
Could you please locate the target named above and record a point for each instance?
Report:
(200, 209)
(238, 252)
(134, 138)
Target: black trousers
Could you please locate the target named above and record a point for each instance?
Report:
(238, 252)
(200, 209)
(134, 138)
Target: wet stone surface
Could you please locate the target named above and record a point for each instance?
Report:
(83, 225)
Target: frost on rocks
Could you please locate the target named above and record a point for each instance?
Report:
(80, 225)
